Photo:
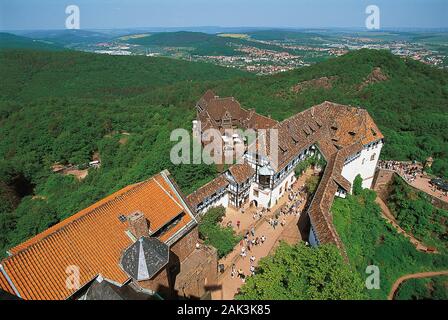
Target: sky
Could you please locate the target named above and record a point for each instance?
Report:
(107, 14)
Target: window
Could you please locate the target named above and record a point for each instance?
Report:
(255, 193)
(363, 161)
(372, 157)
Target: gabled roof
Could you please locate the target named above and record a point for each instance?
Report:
(5, 285)
(93, 239)
(218, 107)
(330, 125)
(215, 108)
(241, 172)
(207, 190)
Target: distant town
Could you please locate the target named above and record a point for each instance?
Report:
(282, 53)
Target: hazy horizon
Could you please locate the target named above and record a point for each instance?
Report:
(18, 15)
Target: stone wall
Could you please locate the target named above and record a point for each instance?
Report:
(382, 182)
(185, 246)
(382, 186)
(190, 271)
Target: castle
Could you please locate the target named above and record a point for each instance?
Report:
(345, 137)
(142, 241)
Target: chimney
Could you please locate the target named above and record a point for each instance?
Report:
(138, 225)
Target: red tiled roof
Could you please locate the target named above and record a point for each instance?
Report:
(4, 284)
(207, 190)
(215, 108)
(93, 240)
(241, 172)
(338, 131)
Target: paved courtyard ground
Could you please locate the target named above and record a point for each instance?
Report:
(291, 232)
(423, 183)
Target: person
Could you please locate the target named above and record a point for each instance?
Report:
(263, 239)
(238, 224)
(252, 259)
(252, 231)
(283, 222)
(252, 270)
(243, 252)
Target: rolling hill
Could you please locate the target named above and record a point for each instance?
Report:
(11, 41)
(200, 43)
(64, 106)
(88, 75)
(69, 37)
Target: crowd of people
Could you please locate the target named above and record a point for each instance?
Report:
(247, 244)
(251, 239)
(408, 170)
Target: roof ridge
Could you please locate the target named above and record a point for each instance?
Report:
(168, 194)
(82, 215)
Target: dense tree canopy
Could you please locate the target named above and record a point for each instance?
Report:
(423, 289)
(303, 273)
(415, 214)
(62, 107)
(370, 240)
(223, 239)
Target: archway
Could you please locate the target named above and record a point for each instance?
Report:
(254, 203)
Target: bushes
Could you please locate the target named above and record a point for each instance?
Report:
(311, 184)
(415, 214)
(357, 185)
(303, 273)
(311, 161)
(427, 288)
(370, 240)
(223, 239)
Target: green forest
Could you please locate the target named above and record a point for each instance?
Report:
(303, 273)
(200, 43)
(224, 239)
(424, 289)
(415, 214)
(62, 107)
(370, 240)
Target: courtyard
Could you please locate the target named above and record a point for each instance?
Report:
(286, 221)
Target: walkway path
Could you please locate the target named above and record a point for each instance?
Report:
(390, 218)
(423, 183)
(289, 233)
(419, 275)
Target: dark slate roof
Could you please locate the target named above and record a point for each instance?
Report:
(102, 289)
(146, 257)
